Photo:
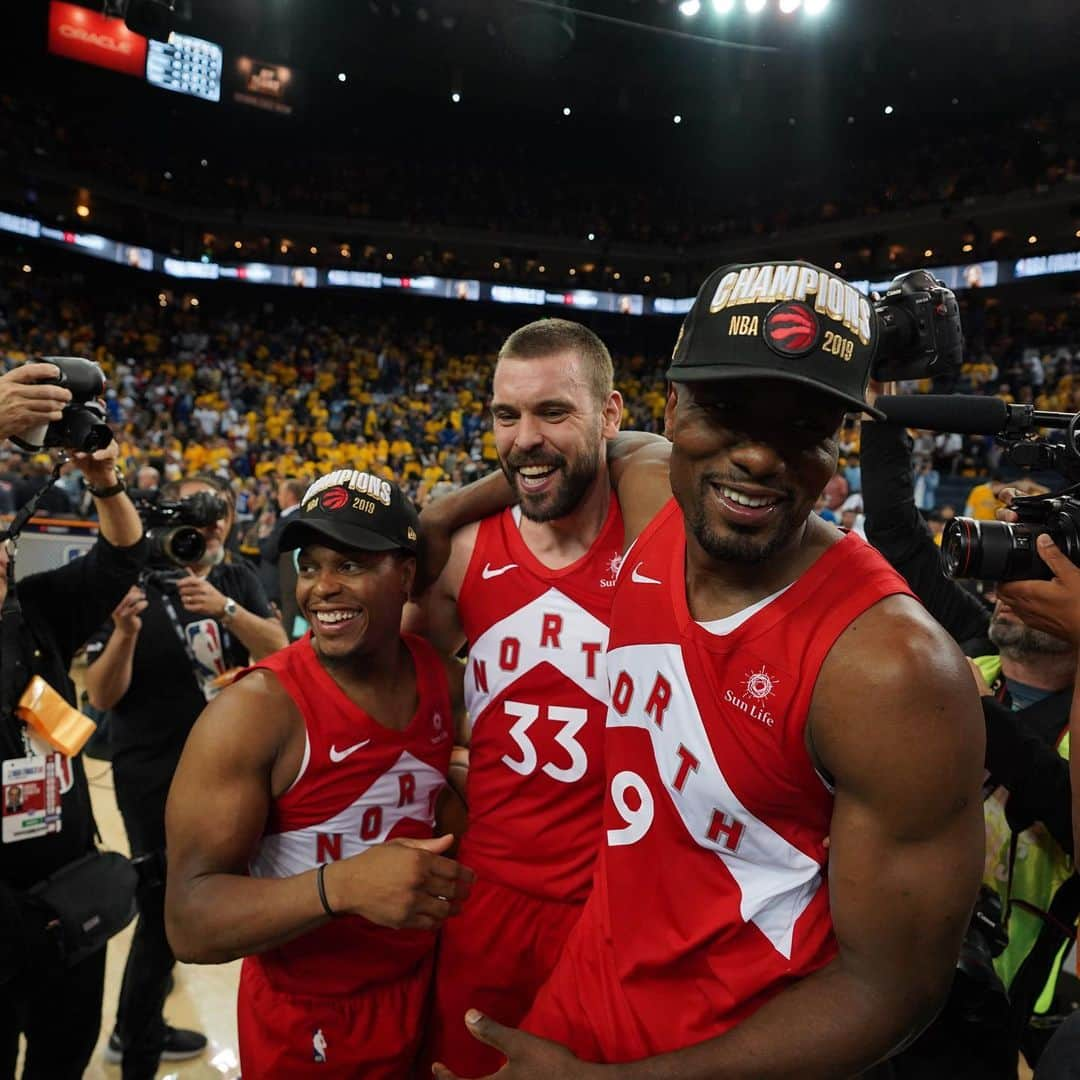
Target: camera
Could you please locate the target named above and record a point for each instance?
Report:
(978, 992)
(82, 425)
(920, 332)
(173, 527)
(1005, 551)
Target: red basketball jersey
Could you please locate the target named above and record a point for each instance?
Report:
(536, 690)
(711, 894)
(360, 784)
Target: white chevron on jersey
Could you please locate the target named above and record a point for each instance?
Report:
(776, 880)
(526, 626)
(289, 853)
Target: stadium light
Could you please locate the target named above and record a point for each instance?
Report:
(755, 7)
(928, 253)
(1033, 239)
(592, 236)
(689, 8)
(455, 97)
(82, 210)
(789, 6)
(838, 265)
(676, 119)
(967, 248)
(542, 268)
(723, 7)
(816, 7)
(889, 110)
(341, 76)
(26, 268)
(566, 110)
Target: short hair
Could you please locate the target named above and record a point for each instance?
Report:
(296, 487)
(171, 490)
(545, 337)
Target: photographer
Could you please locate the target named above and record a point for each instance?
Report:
(1025, 676)
(166, 654)
(54, 1003)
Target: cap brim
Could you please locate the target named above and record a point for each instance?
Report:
(298, 533)
(721, 372)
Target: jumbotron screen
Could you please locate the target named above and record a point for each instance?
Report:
(185, 65)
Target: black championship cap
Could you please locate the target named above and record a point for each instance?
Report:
(776, 320)
(356, 510)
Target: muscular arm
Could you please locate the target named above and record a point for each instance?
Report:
(217, 809)
(434, 615)
(905, 858)
(244, 750)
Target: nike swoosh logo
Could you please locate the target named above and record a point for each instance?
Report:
(487, 572)
(641, 579)
(340, 755)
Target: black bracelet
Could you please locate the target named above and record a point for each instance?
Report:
(113, 489)
(322, 892)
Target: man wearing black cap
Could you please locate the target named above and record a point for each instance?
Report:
(724, 936)
(300, 823)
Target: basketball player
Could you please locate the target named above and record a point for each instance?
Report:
(530, 590)
(773, 683)
(300, 821)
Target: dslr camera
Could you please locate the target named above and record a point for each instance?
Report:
(920, 332)
(82, 426)
(172, 527)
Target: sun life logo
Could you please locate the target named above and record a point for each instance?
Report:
(759, 684)
(612, 571)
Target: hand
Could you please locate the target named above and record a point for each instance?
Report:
(403, 884)
(200, 597)
(126, 614)
(875, 389)
(980, 682)
(99, 468)
(1006, 496)
(27, 402)
(1054, 605)
(528, 1056)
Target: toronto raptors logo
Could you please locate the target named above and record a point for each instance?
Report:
(759, 684)
(334, 499)
(791, 329)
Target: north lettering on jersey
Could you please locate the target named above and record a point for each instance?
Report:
(769, 284)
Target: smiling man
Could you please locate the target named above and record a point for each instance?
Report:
(773, 686)
(530, 589)
(300, 823)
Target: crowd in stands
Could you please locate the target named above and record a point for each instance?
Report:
(260, 395)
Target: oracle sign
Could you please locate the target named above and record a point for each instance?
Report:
(81, 34)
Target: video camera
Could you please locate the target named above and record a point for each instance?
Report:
(172, 527)
(1001, 550)
(82, 425)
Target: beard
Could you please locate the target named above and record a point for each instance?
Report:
(570, 488)
(738, 544)
(1017, 639)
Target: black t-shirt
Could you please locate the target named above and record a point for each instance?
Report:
(61, 608)
(152, 720)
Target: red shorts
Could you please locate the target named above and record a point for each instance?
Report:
(374, 1034)
(494, 956)
(579, 1005)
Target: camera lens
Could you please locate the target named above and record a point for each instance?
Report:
(991, 551)
(185, 544)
